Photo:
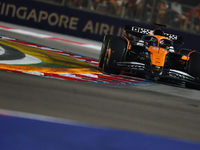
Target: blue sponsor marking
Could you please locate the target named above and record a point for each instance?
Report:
(21, 133)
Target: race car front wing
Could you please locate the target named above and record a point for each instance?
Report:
(166, 72)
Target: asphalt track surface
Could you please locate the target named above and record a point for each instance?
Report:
(141, 108)
(11, 53)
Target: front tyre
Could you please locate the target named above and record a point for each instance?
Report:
(115, 53)
(103, 49)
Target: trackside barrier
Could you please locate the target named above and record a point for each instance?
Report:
(73, 22)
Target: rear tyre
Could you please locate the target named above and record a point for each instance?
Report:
(114, 53)
(103, 49)
(193, 69)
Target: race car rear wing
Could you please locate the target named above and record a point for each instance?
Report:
(139, 32)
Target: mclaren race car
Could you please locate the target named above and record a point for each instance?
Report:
(150, 52)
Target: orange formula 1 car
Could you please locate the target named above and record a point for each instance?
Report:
(150, 52)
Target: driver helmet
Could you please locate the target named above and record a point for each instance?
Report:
(163, 45)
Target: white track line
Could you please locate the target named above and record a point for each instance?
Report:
(20, 31)
(11, 113)
(2, 50)
(27, 60)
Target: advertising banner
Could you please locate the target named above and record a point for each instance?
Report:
(75, 22)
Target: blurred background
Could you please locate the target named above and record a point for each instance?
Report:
(181, 15)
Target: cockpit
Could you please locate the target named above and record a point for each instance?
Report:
(150, 40)
(160, 41)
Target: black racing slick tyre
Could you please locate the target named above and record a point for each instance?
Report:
(115, 53)
(193, 69)
(103, 49)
